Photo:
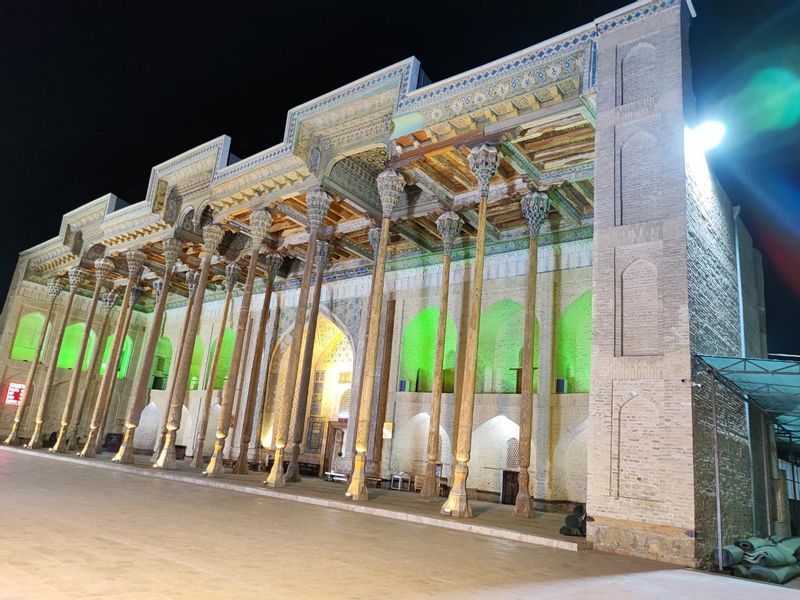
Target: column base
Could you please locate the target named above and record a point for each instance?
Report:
(197, 459)
(13, 437)
(166, 460)
(214, 467)
(276, 478)
(89, 445)
(124, 455)
(357, 490)
(36, 437)
(241, 466)
(61, 441)
(293, 470)
(430, 489)
(457, 504)
(159, 446)
(523, 505)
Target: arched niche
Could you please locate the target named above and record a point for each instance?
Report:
(124, 359)
(225, 354)
(196, 364)
(71, 346)
(29, 328)
(500, 342)
(162, 362)
(418, 349)
(573, 344)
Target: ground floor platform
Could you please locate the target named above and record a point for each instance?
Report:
(73, 530)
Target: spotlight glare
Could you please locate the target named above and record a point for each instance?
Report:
(707, 135)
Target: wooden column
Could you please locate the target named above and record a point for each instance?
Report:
(102, 268)
(237, 405)
(138, 400)
(191, 276)
(260, 364)
(136, 293)
(390, 185)
(534, 209)
(448, 225)
(318, 203)
(76, 276)
(110, 300)
(135, 260)
(212, 236)
(232, 273)
(483, 163)
(374, 236)
(55, 285)
(260, 222)
(301, 402)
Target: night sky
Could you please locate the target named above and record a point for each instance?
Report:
(96, 92)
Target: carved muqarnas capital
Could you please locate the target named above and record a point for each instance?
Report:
(76, 276)
(448, 226)
(535, 207)
(172, 250)
(212, 236)
(102, 269)
(191, 280)
(135, 259)
(158, 287)
(274, 262)
(260, 222)
(374, 236)
(232, 273)
(483, 164)
(136, 293)
(318, 203)
(110, 299)
(55, 285)
(323, 254)
(390, 186)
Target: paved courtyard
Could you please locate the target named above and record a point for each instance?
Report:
(76, 531)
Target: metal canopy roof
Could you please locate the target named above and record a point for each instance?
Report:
(773, 384)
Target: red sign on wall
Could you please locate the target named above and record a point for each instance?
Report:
(14, 392)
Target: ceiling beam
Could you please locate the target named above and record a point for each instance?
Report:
(563, 206)
(471, 217)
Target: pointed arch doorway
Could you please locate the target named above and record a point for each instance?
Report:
(328, 399)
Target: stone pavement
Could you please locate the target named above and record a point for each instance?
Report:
(73, 531)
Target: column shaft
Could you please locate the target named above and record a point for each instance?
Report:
(301, 402)
(522, 506)
(166, 459)
(139, 396)
(205, 411)
(107, 383)
(240, 466)
(276, 476)
(162, 432)
(74, 382)
(13, 437)
(357, 489)
(236, 408)
(80, 405)
(224, 421)
(430, 489)
(44, 394)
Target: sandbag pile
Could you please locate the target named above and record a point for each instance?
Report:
(575, 523)
(774, 559)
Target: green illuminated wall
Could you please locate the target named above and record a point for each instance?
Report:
(224, 364)
(197, 364)
(418, 348)
(573, 344)
(124, 360)
(500, 348)
(162, 361)
(71, 346)
(27, 335)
